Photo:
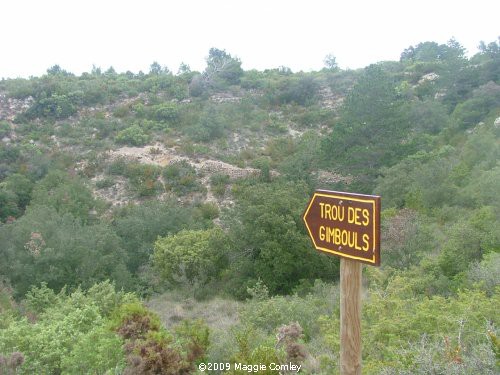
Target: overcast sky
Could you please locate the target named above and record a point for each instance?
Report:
(130, 35)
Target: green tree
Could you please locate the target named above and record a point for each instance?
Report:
(269, 239)
(155, 68)
(489, 60)
(331, 64)
(222, 68)
(22, 186)
(191, 255)
(66, 194)
(47, 246)
(8, 204)
(139, 226)
(373, 129)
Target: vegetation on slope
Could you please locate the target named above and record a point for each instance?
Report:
(116, 187)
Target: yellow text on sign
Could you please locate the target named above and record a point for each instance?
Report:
(344, 237)
(357, 216)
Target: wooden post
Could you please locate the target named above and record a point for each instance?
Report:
(350, 317)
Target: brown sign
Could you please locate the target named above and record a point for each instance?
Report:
(345, 224)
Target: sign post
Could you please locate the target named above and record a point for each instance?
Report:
(347, 225)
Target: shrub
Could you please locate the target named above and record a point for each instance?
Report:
(151, 349)
(180, 177)
(167, 112)
(140, 225)
(134, 321)
(218, 183)
(121, 111)
(143, 178)
(55, 106)
(133, 135)
(269, 314)
(190, 255)
(4, 129)
(209, 210)
(97, 352)
(251, 351)
(67, 334)
(105, 183)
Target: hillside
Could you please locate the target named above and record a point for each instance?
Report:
(152, 221)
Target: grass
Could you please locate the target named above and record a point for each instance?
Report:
(219, 314)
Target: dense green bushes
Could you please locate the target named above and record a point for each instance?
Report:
(57, 248)
(97, 331)
(269, 241)
(70, 332)
(451, 330)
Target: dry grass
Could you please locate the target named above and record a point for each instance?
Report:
(173, 307)
(221, 315)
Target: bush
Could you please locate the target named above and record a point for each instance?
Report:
(144, 178)
(50, 340)
(55, 106)
(75, 254)
(151, 349)
(140, 225)
(97, 352)
(218, 183)
(191, 255)
(105, 183)
(180, 177)
(209, 210)
(133, 135)
(70, 333)
(66, 194)
(167, 112)
(269, 314)
(4, 129)
(396, 322)
(484, 274)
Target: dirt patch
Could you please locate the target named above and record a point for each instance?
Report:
(159, 155)
(11, 107)
(155, 154)
(327, 177)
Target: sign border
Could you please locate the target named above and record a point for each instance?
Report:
(365, 198)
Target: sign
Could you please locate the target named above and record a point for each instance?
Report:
(345, 224)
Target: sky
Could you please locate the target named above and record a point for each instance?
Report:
(131, 35)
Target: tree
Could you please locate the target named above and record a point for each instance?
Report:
(57, 70)
(222, 67)
(183, 69)
(15, 194)
(371, 129)
(330, 62)
(139, 226)
(47, 246)
(66, 194)
(155, 68)
(489, 58)
(269, 240)
(191, 255)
